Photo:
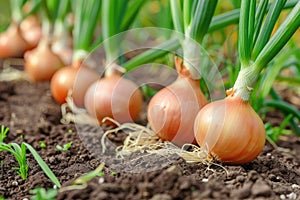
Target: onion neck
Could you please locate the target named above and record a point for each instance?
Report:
(191, 57)
(245, 82)
(79, 55)
(114, 68)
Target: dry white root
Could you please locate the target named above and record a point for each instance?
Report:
(140, 138)
(143, 139)
(9, 73)
(72, 114)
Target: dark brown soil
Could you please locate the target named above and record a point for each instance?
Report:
(32, 116)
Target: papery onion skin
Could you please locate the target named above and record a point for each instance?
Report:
(115, 97)
(41, 63)
(171, 112)
(230, 130)
(77, 79)
(12, 44)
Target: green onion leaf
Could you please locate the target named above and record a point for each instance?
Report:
(268, 26)
(43, 165)
(177, 15)
(280, 38)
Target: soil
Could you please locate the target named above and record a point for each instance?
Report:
(33, 116)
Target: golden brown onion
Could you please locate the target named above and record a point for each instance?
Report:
(12, 44)
(115, 97)
(76, 78)
(172, 111)
(41, 63)
(230, 130)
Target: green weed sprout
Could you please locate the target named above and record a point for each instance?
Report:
(43, 194)
(3, 132)
(66, 147)
(19, 152)
(81, 182)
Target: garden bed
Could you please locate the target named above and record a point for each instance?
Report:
(33, 116)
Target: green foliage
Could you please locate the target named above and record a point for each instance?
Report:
(20, 155)
(274, 133)
(43, 194)
(43, 165)
(66, 147)
(19, 152)
(3, 133)
(43, 144)
(113, 173)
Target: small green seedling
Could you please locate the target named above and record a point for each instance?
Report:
(113, 173)
(65, 147)
(43, 144)
(273, 133)
(70, 131)
(81, 182)
(19, 152)
(2, 198)
(3, 132)
(43, 194)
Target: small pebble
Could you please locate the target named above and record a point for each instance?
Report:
(294, 186)
(101, 180)
(14, 183)
(25, 199)
(205, 180)
(282, 197)
(292, 195)
(55, 187)
(161, 197)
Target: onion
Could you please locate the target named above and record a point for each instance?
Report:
(31, 31)
(114, 96)
(172, 111)
(12, 44)
(41, 63)
(230, 130)
(76, 78)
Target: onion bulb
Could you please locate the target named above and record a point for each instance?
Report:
(230, 130)
(76, 78)
(12, 44)
(31, 31)
(172, 111)
(41, 63)
(115, 97)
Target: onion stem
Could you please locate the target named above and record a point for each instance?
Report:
(251, 68)
(232, 17)
(86, 17)
(280, 38)
(193, 22)
(245, 83)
